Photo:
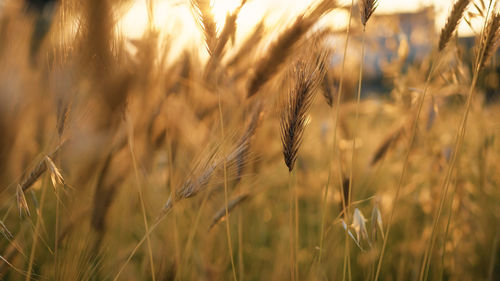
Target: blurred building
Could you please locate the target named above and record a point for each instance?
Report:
(393, 42)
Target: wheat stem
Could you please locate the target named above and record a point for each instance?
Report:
(296, 237)
(291, 232)
(141, 197)
(240, 245)
(447, 229)
(146, 235)
(35, 233)
(228, 231)
(334, 142)
(172, 195)
(189, 243)
(353, 155)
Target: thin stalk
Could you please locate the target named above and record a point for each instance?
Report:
(291, 232)
(491, 268)
(172, 195)
(447, 230)
(296, 237)
(356, 120)
(349, 268)
(56, 230)
(353, 157)
(141, 197)
(406, 163)
(334, 142)
(35, 234)
(240, 246)
(56, 237)
(228, 231)
(189, 243)
(146, 235)
(346, 253)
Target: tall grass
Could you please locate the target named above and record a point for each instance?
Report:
(213, 159)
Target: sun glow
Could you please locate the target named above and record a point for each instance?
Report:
(222, 8)
(176, 18)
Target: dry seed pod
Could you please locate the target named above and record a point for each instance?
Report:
(344, 225)
(55, 174)
(359, 226)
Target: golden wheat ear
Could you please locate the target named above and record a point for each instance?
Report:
(366, 8)
(307, 77)
(452, 22)
(489, 42)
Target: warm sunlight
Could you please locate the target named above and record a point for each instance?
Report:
(222, 8)
(134, 22)
(245, 140)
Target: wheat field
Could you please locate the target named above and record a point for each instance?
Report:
(293, 151)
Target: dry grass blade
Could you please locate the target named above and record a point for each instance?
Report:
(366, 8)
(5, 231)
(452, 22)
(293, 119)
(22, 205)
(490, 39)
(221, 213)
